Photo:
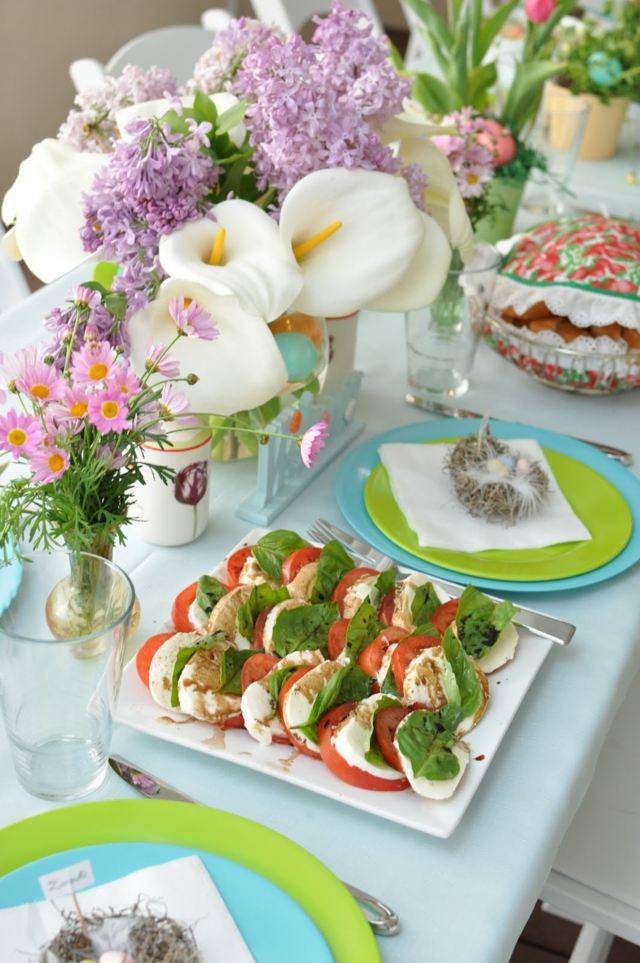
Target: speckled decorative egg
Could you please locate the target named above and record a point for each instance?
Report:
(499, 140)
(603, 70)
(300, 355)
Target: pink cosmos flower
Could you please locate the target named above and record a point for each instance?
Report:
(313, 440)
(192, 319)
(48, 464)
(19, 433)
(108, 411)
(539, 10)
(30, 375)
(157, 360)
(85, 297)
(123, 379)
(93, 363)
(173, 404)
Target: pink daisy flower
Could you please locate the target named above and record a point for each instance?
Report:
(31, 376)
(48, 464)
(157, 360)
(85, 297)
(73, 404)
(123, 379)
(19, 433)
(111, 459)
(108, 411)
(173, 404)
(93, 363)
(192, 319)
(313, 440)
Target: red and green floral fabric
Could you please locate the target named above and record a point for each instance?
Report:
(591, 253)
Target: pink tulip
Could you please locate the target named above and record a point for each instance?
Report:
(539, 10)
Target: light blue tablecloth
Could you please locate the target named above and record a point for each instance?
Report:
(468, 897)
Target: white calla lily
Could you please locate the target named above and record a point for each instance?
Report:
(152, 109)
(45, 202)
(250, 260)
(242, 368)
(353, 233)
(442, 197)
(427, 271)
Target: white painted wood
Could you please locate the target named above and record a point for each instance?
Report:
(177, 47)
(86, 73)
(216, 19)
(592, 946)
(290, 15)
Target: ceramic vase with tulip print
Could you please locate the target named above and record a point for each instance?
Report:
(177, 512)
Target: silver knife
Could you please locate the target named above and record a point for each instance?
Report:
(380, 917)
(451, 411)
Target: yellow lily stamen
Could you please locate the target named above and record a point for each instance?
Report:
(215, 257)
(305, 247)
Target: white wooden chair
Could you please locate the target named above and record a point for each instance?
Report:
(291, 15)
(177, 47)
(596, 875)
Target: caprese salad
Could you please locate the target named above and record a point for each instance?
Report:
(380, 677)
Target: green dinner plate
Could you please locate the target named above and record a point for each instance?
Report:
(320, 894)
(596, 502)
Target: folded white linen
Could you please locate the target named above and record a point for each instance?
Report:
(182, 887)
(425, 495)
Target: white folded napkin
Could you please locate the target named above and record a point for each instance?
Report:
(428, 501)
(182, 887)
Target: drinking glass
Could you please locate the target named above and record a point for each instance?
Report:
(442, 339)
(557, 135)
(62, 648)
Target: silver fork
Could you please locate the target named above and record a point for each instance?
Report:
(545, 626)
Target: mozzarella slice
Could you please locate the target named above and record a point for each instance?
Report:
(405, 594)
(302, 585)
(298, 701)
(434, 788)
(356, 595)
(385, 665)
(225, 611)
(502, 650)
(252, 574)
(257, 706)
(429, 680)
(198, 688)
(197, 616)
(353, 738)
(272, 618)
(471, 721)
(162, 663)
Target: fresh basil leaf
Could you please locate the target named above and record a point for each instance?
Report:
(210, 591)
(217, 640)
(230, 669)
(389, 686)
(372, 753)
(426, 629)
(469, 685)
(271, 550)
(305, 627)
(261, 597)
(480, 621)
(348, 684)
(427, 746)
(425, 602)
(277, 679)
(334, 562)
(362, 630)
(385, 582)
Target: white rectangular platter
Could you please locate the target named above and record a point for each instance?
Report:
(508, 687)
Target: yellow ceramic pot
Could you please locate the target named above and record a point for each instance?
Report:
(602, 129)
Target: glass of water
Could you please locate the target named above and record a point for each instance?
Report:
(58, 688)
(442, 339)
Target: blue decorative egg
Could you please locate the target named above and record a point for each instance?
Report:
(603, 70)
(299, 353)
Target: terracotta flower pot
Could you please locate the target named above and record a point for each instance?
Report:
(600, 139)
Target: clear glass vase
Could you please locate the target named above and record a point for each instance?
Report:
(442, 339)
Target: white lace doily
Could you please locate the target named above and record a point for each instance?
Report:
(583, 308)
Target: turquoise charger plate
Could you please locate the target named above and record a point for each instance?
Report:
(359, 463)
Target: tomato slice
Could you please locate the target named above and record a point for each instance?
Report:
(444, 615)
(370, 659)
(337, 638)
(256, 667)
(147, 651)
(293, 738)
(406, 652)
(386, 722)
(387, 606)
(232, 722)
(347, 581)
(258, 628)
(180, 608)
(339, 766)
(235, 564)
(297, 560)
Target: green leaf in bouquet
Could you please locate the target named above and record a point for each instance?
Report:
(176, 122)
(103, 274)
(492, 27)
(480, 81)
(434, 95)
(397, 61)
(204, 109)
(435, 24)
(231, 117)
(116, 304)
